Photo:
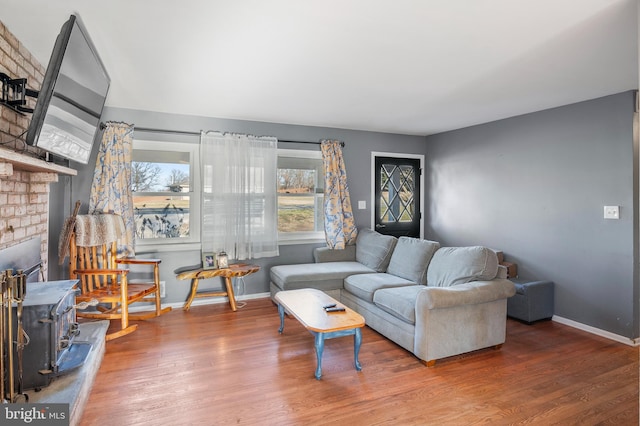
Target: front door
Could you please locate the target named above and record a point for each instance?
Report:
(397, 196)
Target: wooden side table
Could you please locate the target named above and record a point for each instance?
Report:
(234, 270)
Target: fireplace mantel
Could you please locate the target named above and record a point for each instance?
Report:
(10, 160)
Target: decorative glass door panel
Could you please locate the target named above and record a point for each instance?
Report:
(397, 203)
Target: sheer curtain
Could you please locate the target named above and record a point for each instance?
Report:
(111, 187)
(239, 203)
(339, 224)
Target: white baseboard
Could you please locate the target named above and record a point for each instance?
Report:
(199, 302)
(216, 300)
(597, 331)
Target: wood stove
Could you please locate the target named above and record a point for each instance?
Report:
(40, 335)
(49, 319)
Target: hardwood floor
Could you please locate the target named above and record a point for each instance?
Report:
(211, 366)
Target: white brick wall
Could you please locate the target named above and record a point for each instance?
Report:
(24, 196)
(25, 210)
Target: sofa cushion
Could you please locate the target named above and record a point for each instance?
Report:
(374, 249)
(365, 285)
(399, 302)
(326, 254)
(411, 257)
(458, 265)
(323, 276)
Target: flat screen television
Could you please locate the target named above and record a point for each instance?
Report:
(67, 114)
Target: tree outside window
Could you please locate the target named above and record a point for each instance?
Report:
(162, 192)
(300, 195)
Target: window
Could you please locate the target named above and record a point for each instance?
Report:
(240, 214)
(300, 196)
(166, 193)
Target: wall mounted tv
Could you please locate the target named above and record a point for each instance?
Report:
(67, 113)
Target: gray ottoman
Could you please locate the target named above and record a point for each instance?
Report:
(533, 301)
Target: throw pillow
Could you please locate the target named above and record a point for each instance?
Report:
(458, 265)
(374, 249)
(411, 257)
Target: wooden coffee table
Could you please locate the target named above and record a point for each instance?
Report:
(306, 305)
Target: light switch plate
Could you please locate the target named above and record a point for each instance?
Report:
(612, 212)
(362, 205)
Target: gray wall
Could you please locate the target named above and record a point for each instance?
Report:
(535, 186)
(357, 155)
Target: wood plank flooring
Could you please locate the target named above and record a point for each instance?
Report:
(211, 366)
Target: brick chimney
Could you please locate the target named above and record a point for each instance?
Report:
(24, 178)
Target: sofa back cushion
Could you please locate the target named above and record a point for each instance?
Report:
(374, 249)
(458, 265)
(326, 254)
(411, 257)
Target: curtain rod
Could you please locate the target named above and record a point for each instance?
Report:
(179, 132)
(189, 132)
(314, 143)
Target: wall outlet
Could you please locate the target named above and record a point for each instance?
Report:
(612, 212)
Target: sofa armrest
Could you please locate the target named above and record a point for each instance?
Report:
(325, 254)
(472, 293)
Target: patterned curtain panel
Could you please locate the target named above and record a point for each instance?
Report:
(339, 225)
(239, 203)
(111, 188)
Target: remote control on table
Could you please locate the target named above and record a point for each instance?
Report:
(335, 309)
(332, 305)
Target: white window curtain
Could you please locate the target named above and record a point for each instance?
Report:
(239, 203)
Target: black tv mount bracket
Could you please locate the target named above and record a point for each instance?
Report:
(14, 93)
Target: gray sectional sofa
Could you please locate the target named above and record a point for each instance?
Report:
(433, 301)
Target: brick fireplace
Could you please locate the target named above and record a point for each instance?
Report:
(24, 177)
(25, 183)
(24, 197)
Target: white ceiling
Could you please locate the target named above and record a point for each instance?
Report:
(403, 66)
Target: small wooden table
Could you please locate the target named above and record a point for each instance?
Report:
(306, 305)
(197, 274)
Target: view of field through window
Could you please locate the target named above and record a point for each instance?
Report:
(161, 194)
(297, 200)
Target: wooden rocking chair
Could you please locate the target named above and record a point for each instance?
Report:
(100, 279)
